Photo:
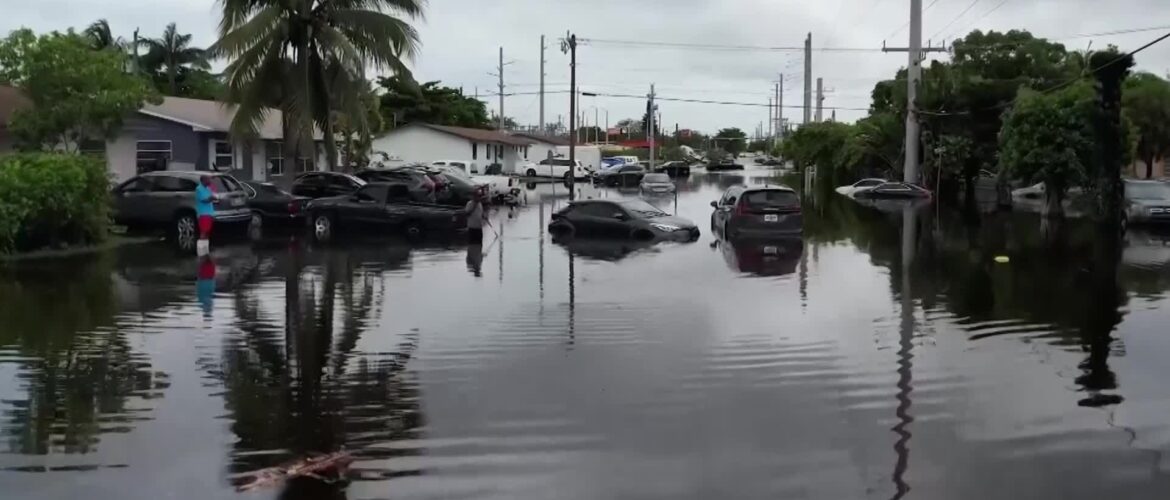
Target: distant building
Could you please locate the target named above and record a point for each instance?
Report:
(424, 142)
(542, 145)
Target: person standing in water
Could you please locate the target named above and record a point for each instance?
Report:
(476, 215)
(204, 207)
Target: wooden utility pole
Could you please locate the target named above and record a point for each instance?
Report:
(542, 47)
(501, 75)
(808, 79)
(653, 108)
(820, 99)
(569, 44)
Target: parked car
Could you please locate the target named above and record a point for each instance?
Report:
(468, 167)
(863, 183)
(379, 207)
(324, 184)
(625, 175)
(422, 187)
(274, 205)
(674, 168)
(896, 190)
(656, 184)
(1146, 202)
(757, 210)
(721, 165)
(631, 218)
(166, 200)
(557, 168)
(610, 162)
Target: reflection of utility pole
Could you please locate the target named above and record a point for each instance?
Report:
(572, 302)
(542, 47)
(905, 356)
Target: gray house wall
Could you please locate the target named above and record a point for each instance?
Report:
(185, 143)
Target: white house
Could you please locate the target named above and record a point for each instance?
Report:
(423, 142)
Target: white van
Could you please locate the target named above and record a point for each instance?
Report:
(464, 165)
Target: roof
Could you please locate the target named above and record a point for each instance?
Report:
(12, 99)
(547, 139)
(474, 134)
(212, 116)
(186, 174)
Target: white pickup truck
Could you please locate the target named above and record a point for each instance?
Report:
(557, 168)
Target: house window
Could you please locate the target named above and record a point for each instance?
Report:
(474, 150)
(224, 156)
(153, 155)
(275, 156)
(93, 147)
(500, 151)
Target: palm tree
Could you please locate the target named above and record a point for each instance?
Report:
(308, 58)
(100, 37)
(173, 51)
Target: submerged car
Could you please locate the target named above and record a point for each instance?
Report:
(630, 218)
(656, 184)
(625, 175)
(274, 205)
(861, 184)
(1146, 202)
(378, 208)
(757, 210)
(897, 190)
(674, 168)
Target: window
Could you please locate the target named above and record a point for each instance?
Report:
(137, 185)
(92, 147)
(771, 198)
(174, 184)
(375, 193)
(500, 151)
(153, 155)
(223, 184)
(525, 152)
(224, 156)
(275, 155)
(543, 162)
(342, 182)
(474, 150)
(598, 209)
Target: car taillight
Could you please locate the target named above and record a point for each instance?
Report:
(294, 207)
(741, 208)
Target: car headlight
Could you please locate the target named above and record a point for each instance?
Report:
(666, 228)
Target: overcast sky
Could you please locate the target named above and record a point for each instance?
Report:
(461, 39)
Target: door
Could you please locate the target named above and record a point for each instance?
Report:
(308, 185)
(600, 219)
(339, 185)
(723, 212)
(368, 205)
(131, 201)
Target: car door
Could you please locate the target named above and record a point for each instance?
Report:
(339, 185)
(368, 205)
(726, 205)
(168, 194)
(308, 185)
(131, 201)
(602, 219)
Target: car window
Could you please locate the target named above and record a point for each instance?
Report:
(174, 184)
(893, 187)
(372, 193)
(309, 180)
(542, 162)
(770, 198)
(1147, 191)
(269, 189)
(656, 178)
(642, 209)
(631, 168)
(220, 184)
(596, 209)
(458, 164)
(398, 192)
(439, 163)
(868, 182)
(342, 182)
(137, 185)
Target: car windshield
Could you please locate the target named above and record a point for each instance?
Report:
(770, 198)
(269, 189)
(1147, 191)
(642, 209)
(868, 182)
(656, 178)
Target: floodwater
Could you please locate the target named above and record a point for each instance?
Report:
(887, 355)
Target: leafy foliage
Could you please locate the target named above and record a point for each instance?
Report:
(51, 200)
(406, 101)
(77, 93)
(732, 140)
(170, 54)
(1146, 103)
(833, 147)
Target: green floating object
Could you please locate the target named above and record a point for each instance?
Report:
(1002, 259)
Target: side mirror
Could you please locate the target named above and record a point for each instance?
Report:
(714, 204)
(619, 216)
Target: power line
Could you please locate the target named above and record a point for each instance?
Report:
(704, 46)
(956, 19)
(726, 103)
(980, 18)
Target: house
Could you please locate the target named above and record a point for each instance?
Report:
(424, 142)
(181, 134)
(542, 145)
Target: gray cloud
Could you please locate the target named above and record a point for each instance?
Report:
(461, 39)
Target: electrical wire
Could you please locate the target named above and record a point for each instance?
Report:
(956, 19)
(716, 47)
(976, 21)
(726, 103)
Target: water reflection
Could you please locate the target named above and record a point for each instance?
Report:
(760, 256)
(607, 249)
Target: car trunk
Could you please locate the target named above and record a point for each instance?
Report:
(768, 210)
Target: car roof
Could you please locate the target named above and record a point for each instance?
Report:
(769, 187)
(186, 174)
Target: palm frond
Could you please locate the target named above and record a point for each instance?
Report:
(381, 38)
(249, 34)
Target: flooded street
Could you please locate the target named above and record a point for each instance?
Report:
(887, 355)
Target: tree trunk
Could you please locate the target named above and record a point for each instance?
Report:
(1052, 202)
(171, 78)
(330, 142)
(1149, 166)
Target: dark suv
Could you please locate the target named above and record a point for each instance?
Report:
(166, 200)
(757, 211)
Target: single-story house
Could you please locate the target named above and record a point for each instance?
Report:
(424, 142)
(542, 145)
(181, 134)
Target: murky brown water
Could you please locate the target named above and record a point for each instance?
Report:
(867, 361)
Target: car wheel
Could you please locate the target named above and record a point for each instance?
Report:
(531, 172)
(323, 226)
(184, 231)
(641, 234)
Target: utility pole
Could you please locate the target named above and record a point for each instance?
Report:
(501, 75)
(651, 127)
(771, 118)
(542, 47)
(135, 46)
(820, 99)
(596, 124)
(779, 110)
(808, 79)
(913, 77)
(569, 44)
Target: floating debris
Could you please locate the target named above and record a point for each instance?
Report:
(328, 468)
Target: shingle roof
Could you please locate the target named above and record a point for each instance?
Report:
(11, 100)
(213, 116)
(478, 134)
(555, 141)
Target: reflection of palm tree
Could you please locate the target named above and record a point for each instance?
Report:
(319, 397)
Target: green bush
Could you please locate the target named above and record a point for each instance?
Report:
(52, 200)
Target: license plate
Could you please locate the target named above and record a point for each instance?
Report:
(771, 250)
(237, 202)
(771, 218)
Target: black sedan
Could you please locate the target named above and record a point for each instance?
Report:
(631, 218)
(323, 184)
(274, 205)
(674, 168)
(625, 175)
(380, 207)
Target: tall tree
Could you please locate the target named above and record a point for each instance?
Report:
(1146, 102)
(100, 36)
(407, 101)
(732, 140)
(296, 54)
(174, 52)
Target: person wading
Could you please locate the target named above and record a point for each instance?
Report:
(476, 216)
(204, 208)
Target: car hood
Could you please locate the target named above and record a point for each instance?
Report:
(658, 183)
(672, 220)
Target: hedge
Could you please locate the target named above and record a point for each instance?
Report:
(52, 200)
